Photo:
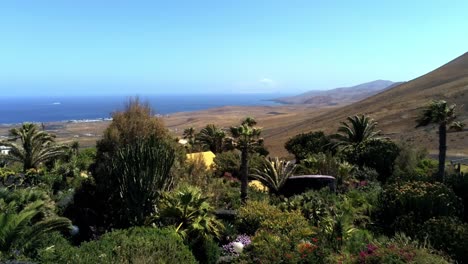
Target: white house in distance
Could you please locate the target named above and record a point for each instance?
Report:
(4, 150)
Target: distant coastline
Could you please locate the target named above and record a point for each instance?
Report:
(100, 108)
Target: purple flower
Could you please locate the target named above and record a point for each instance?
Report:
(232, 248)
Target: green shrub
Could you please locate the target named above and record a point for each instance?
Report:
(306, 144)
(380, 155)
(277, 233)
(261, 215)
(448, 234)
(399, 249)
(135, 245)
(365, 174)
(205, 250)
(189, 212)
(315, 206)
(405, 206)
(267, 247)
(251, 216)
(459, 184)
(424, 170)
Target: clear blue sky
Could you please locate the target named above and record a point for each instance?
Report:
(125, 47)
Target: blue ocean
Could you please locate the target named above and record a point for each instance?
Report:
(50, 109)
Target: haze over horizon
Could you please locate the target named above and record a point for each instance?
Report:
(56, 48)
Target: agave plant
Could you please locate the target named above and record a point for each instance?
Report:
(274, 173)
(188, 210)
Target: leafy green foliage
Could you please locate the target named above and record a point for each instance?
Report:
(459, 184)
(134, 245)
(257, 215)
(306, 144)
(448, 234)
(189, 212)
(406, 206)
(17, 230)
(277, 233)
(378, 154)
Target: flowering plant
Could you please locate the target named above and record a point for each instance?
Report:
(236, 247)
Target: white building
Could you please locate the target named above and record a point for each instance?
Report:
(4, 150)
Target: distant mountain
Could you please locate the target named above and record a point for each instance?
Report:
(339, 96)
(396, 109)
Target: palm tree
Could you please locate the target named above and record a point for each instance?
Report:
(189, 134)
(211, 137)
(246, 138)
(16, 228)
(440, 113)
(274, 173)
(34, 148)
(356, 131)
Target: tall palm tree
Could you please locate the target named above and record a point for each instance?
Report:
(34, 148)
(189, 134)
(246, 138)
(440, 113)
(211, 137)
(358, 129)
(274, 173)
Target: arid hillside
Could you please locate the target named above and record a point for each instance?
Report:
(396, 109)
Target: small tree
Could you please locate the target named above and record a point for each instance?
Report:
(443, 115)
(246, 138)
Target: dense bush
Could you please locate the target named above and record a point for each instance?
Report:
(189, 212)
(378, 154)
(405, 206)
(261, 215)
(306, 144)
(448, 234)
(315, 206)
(459, 184)
(277, 236)
(135, 245)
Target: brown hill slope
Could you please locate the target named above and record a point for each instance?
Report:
(396, 109)
(339, 96)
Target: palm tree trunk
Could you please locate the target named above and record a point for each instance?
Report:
(442, 150)
(244, 170)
